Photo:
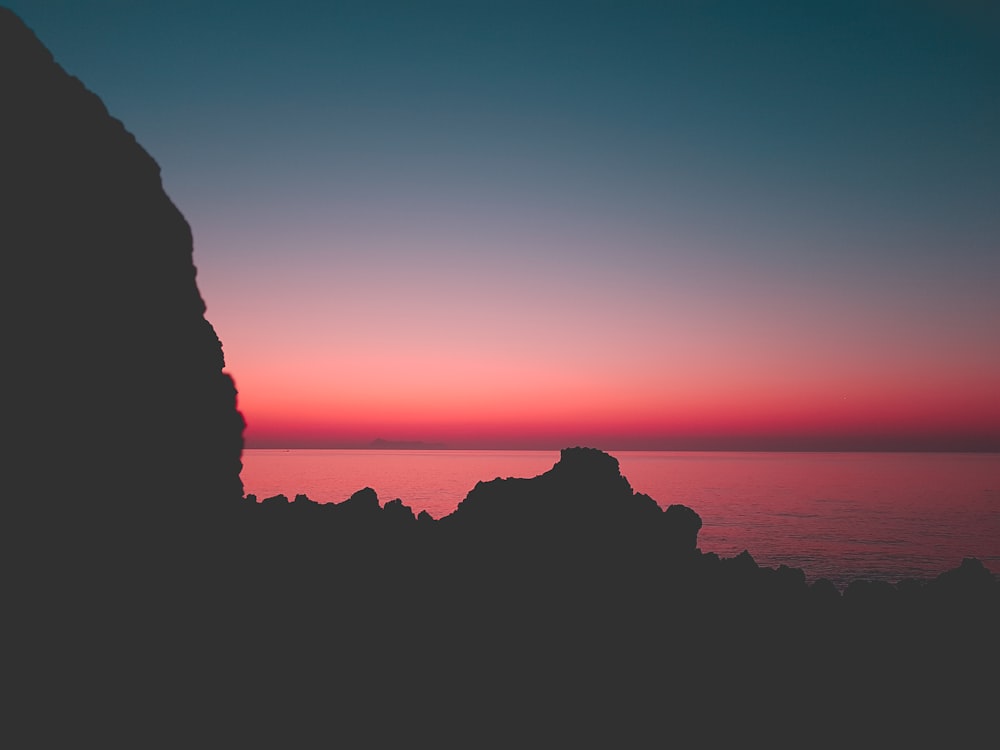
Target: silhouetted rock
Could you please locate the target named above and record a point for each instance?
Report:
(681, 526)
(396, 512)
(584, 498)
(364, 501)
(124, 440)
(742, 565)
(971, 576)
(274, 501)
(118, 376)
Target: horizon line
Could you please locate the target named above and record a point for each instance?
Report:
(415, 446)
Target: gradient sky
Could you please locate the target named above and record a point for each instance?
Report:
(621, 224)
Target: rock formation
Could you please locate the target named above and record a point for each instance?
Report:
(118, 404)
(124, 440)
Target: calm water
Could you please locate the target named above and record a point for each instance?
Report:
(840, 515)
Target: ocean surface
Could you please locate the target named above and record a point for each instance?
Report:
(842, 516)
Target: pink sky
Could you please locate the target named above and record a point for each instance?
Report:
(411, 345)
(659, 225)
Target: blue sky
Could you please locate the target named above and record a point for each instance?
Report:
(511, 222)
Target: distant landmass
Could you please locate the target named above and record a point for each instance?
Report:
(405, 445)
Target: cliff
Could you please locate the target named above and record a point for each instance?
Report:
(123, 436)
(115, 377)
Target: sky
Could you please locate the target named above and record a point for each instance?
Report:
(629, 225)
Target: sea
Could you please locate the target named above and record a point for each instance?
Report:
(840, 516)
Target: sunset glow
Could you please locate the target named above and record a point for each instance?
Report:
(653, 227)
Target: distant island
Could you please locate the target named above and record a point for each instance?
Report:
(405, 445)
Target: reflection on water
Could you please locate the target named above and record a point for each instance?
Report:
(838, 515)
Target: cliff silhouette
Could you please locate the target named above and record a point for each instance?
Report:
(116, 371)
(152, 603)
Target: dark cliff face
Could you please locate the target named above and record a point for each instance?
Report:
(115, 375)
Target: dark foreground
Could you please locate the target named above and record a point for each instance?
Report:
(545, 611)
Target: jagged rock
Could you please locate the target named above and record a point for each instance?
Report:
(971, 575)
(274, 501)
(118, 377)
(396, 512)
(681, 526)
(743, 562)
(361, 507)
(584, 493)
(968, 591)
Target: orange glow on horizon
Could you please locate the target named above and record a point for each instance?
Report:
(516, 416)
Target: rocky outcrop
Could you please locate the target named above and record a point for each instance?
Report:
(583, 507)
(571, 594)
(586, 485)
(120, 408)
